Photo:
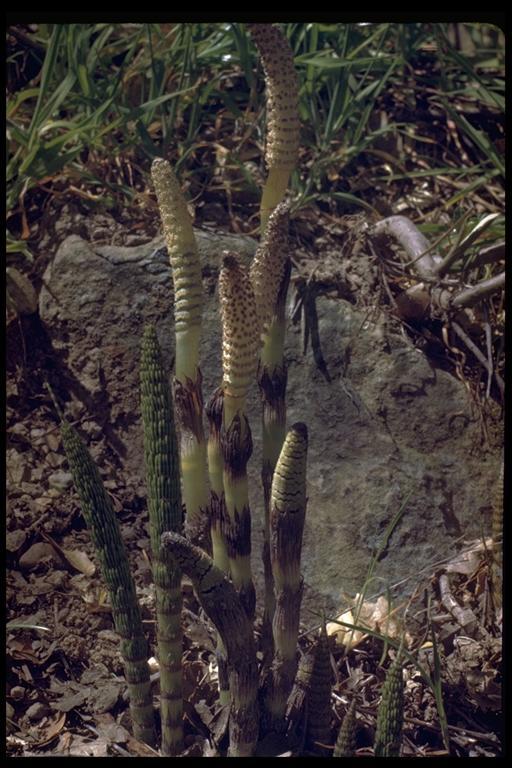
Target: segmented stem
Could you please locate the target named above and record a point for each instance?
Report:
(240, 344)
(220, 602)
(390, 715)
(288, 508)
(346, 741)
(165, 514)
(188, 301)
(283, 126)
(272, 377)
(105, 533)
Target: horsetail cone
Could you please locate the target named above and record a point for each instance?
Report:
(283, 130)
(165, 514)
(188, 301)
(106, 536)
(288, 508)
(346, 741)
(240, 334)
(186, 267)
(220, 602)
(268, 266)
(240, 345)
(388, 736)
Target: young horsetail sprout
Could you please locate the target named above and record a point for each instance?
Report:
(390, 715)
(346, 741)
(240, 344)
(288, 509)
(318, 725)
(220, 602)
(106, 536)
(270, 276)
(188, 301)
(165, 514)
(283, 131)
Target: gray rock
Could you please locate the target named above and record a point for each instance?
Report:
(37, 711)
(60, 480)
(386, 428)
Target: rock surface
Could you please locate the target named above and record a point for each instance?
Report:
(386, 428)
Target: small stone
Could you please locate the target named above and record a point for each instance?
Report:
(58, 579)
(37, 711)
(60, 480)
(30, 488)
(53, 440)
(35, 554)
(17, 468)
(9, 712)
(54, 460)
(92, 429)
(15, 540)
(17, 692)
(36, 435)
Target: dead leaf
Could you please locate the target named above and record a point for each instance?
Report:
(79, 561)
(139, 749)
(53, 728)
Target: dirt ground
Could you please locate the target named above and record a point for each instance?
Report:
(65, 687)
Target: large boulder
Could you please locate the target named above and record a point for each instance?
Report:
(388, 431)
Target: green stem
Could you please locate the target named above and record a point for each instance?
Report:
(165, 513)
(105, 532)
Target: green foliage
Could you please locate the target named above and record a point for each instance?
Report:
(110, 94)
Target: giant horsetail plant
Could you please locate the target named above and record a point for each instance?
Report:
(270, 276)
(188, 302)
(222, 605)
(283, 125)
(240, 345)
(106, 535)
(288, 509)
(165, 514)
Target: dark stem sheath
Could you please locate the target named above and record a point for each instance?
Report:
(220, 602)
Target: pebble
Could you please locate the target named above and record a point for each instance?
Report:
(36, 435)
(58, 579)
(33, 556)
(53, 440)
(17, 692)
(54, 460)
(37, 711)
(15, 540)
(60, 480)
